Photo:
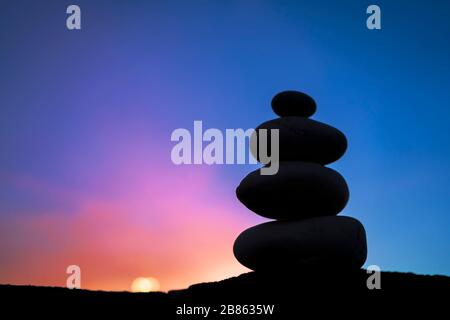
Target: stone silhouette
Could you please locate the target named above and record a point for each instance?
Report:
(304, 197)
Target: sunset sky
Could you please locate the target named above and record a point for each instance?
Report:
(86, 118)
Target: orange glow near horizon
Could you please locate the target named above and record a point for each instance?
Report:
(124, 211)
(171, 223)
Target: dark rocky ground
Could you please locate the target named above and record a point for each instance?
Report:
(312, 293)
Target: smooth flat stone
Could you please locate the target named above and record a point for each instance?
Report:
(337, 242)
(297, 190)
(293, 103)
(302, 139)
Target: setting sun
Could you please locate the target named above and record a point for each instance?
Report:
(144, 284)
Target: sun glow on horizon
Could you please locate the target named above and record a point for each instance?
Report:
(145, 284)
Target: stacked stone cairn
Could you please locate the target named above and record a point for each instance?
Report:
(304, 197)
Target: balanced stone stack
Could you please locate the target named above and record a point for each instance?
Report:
(304, 196)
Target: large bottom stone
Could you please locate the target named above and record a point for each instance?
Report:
(336, 242)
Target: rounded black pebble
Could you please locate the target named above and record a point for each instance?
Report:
(293, 103)
(298, 190)
(303, 139)
(336, 242)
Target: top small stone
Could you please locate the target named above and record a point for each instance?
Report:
(293, 103)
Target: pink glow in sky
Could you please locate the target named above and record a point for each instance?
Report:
(130, 213)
